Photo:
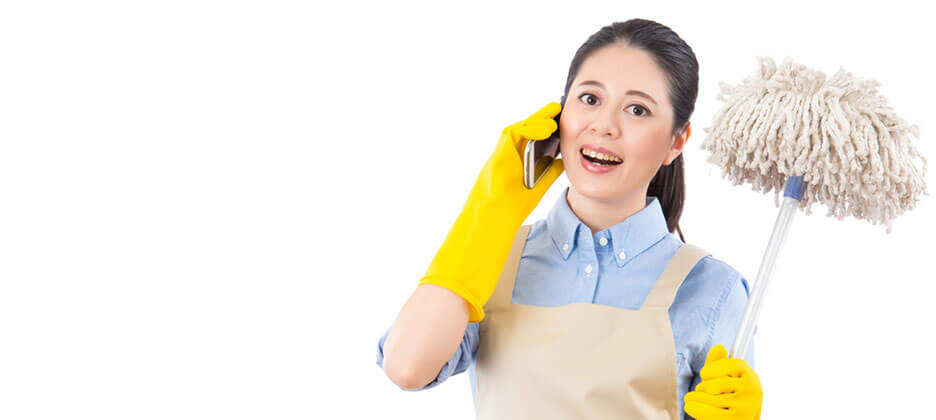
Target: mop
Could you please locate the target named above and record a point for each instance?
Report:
(834, 141)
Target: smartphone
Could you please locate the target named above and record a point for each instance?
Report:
(539, 155)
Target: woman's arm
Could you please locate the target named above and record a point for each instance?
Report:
(425, 335)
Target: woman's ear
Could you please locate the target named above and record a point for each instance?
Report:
(679, 141)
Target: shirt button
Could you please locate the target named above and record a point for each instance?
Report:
(603, 241)
(622, 255)
(588, 269)
(565, 247)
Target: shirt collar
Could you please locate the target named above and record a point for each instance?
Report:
(628, 238)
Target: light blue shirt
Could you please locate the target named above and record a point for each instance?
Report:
(626, 260)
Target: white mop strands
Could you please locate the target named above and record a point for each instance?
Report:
(851, 149)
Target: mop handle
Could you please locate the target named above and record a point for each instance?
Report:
(792, 195)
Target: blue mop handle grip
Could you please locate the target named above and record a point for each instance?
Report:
(795, 187)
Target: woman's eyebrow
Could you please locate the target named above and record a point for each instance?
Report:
(630, 92)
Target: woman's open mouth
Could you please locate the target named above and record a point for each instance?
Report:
(595, 164)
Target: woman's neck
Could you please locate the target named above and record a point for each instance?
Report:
(598, 215)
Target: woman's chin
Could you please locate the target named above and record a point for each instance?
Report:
(596, 190)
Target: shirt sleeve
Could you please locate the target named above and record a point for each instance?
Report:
(459, 362)
(725, 325)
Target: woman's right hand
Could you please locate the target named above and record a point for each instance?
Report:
(503, 172)
(471, 258)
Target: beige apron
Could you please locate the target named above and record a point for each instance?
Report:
(581, 360)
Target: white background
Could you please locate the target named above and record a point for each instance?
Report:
(215, 209)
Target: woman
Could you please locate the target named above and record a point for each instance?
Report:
(598, 311)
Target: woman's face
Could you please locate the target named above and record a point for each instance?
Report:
(605, 110)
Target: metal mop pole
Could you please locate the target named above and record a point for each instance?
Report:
(792, 195)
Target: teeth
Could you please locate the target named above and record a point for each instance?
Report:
(601, 156)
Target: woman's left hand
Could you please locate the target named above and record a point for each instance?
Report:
(730, 390)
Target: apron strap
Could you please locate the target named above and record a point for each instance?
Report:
(503, 292)
(664, 291)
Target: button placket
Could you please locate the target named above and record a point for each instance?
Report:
(587, 239)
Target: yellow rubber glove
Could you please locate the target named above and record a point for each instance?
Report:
(729, 389)
(471, 258)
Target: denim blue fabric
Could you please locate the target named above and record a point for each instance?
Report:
(564, 262)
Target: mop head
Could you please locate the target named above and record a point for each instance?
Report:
(853, 152)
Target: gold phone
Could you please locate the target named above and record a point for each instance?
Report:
(539, 155)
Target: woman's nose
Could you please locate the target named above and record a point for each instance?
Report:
(605, 123)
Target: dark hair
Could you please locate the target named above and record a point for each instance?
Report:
(679, 64)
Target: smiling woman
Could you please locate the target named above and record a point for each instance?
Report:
(599, 311)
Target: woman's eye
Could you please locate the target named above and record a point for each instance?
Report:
(643, 110)
(590, 95)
